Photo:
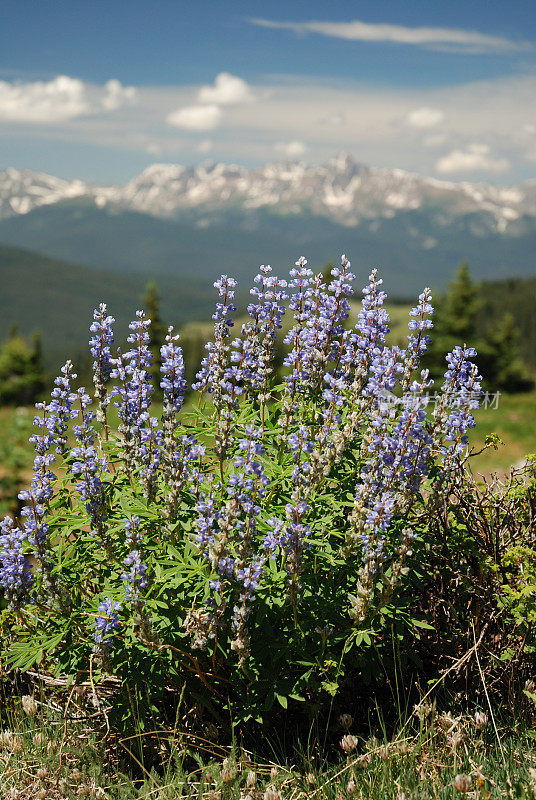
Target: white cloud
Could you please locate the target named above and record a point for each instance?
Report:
(196, 118)
(336, 119)
(227, 89)
(57, 100)
(293, 149)
(370, 122)
(117, 95)
(60, 99)
(205, 146)
(434, 140)
(476, 158)
(425, 117)
(356, 30)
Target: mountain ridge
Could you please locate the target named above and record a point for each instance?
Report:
(198, 222)
(341, 190)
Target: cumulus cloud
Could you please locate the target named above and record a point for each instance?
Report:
(438, 38)
(293, 149)
(476, 158)
(57, 100)
(226, 90)
(196, 118)
(60, 99)
(425, 117)
(117, 95)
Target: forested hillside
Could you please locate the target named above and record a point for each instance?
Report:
(56, 298)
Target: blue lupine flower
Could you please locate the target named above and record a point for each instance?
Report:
(99, 345)
(15, 574)
(461, 388)
(211, 372)
(60, 407)
(141, 437)
(107, 621)
(88, 466)
(135, 578)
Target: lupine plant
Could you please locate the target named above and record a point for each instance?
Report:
(254, 542)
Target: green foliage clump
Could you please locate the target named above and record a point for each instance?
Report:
(460, 318)
(21, 370)
(278, 550)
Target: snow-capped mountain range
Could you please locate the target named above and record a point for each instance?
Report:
(340, 190)
(194, 223)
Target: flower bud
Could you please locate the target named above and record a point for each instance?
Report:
(251, 780)
(349, 743)
(350, 787)
(481, 720)
(42, 773)
(346, 720)
(274, 772)
(6, 740)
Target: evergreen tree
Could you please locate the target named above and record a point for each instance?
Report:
(507, 371)
(458, 315)
(21, 371)
(455, 320)
(157, 330)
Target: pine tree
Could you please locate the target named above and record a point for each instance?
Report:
(21, 370)
(507, 371)
(157, 330)
(455, 320)
(462, 302)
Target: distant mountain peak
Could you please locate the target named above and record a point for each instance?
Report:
(341, 190)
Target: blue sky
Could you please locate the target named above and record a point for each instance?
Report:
(100, 90)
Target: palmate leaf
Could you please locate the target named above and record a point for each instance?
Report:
(24, 654)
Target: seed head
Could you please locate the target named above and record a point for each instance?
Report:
(42, 773)
(75, 775)
(346, 720)
(274, 772)
(272, 793)
(456, 738)
(350, 787)
(251, 779)
(38, 740)
(29, 705)
(228, 773)
(462, 783)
